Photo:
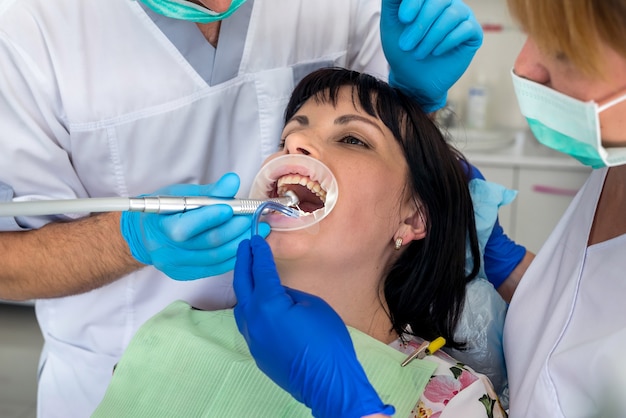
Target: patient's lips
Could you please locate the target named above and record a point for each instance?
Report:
(308, 178)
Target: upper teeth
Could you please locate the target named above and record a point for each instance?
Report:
(313, 186)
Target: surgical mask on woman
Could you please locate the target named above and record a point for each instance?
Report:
(567, 125)
(186, 10)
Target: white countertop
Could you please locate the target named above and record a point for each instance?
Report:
(509, 148)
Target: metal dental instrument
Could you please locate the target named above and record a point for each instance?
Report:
(150, 204)
(426, 348)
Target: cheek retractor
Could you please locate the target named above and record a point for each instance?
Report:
(300, 175)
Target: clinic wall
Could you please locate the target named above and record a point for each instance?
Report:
(493, 62)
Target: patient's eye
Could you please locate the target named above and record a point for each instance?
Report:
(353, 140)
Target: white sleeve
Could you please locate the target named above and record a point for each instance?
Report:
(34, 139)
(6, 223)
(366, 52)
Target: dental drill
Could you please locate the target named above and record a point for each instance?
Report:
(149, 204)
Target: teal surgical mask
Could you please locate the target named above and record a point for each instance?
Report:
(566, 124)
(186, 10)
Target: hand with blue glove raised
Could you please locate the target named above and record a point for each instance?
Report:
(190, 245)
(429, 44)
(298, 340)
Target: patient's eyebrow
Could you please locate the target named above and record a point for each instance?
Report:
(300, 119)
(345, 119)
(341, 120)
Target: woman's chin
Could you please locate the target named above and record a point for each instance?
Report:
(289, 245)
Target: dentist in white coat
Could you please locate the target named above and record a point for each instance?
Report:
(106, 98)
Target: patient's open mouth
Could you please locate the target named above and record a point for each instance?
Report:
(308, 178)
(310, 193)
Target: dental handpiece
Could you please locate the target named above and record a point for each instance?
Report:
(166, 204)
(149, 204)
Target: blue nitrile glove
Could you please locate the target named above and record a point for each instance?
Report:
(500, 253)
(187, 246)
(298, 340)
(429, 44)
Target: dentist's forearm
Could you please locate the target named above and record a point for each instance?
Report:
(62, 259)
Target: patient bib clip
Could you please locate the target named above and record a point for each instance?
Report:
(425, 349)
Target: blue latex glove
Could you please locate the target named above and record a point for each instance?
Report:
(298, 340)
(429, 44)
(500, 253)
(187, 246)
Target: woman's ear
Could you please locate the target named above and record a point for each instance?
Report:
(413, 228)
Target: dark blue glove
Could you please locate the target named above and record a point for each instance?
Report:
(298, 340)
(501, 254)
(429, 44)
(191, 245)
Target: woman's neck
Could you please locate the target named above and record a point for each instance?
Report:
(609, 221)
(353, 295)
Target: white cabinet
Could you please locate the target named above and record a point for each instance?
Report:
(546, 181)
(544, 195)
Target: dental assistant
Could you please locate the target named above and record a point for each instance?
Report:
(565, 331)
(125, 97)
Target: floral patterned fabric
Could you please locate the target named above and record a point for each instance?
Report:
(454, 390)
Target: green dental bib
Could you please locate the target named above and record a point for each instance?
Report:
(190, 363)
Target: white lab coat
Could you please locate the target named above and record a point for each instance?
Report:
(565, 331)
(95, 101)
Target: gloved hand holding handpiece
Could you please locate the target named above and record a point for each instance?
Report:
(298, 340)
(190, 245)
(429, 44)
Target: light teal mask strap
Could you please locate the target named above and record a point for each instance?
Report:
(186, 10)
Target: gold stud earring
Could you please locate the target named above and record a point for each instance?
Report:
(398, 244)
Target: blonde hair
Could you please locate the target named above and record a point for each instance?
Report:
(575, 28)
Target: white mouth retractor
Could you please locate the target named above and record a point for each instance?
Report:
(265, 183)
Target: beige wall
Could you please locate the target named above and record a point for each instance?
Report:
(493, 61)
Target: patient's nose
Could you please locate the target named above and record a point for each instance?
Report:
(300, 143)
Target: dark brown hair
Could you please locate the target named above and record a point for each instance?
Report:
(425, 287)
